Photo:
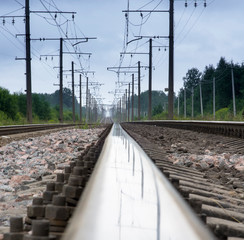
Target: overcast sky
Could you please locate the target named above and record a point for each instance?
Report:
(202, 36)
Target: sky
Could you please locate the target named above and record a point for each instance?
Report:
(202, 36)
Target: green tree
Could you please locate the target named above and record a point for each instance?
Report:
(157, 110)
(41, 107)
(8, 103)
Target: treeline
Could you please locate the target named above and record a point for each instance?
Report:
(198, 83)
(159, 101)
(45, 107)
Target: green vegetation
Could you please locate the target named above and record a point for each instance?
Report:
(44, 107)
(223, 92)
(192, 80)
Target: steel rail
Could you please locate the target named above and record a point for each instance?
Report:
(232, 129)
(15, 129)
(127, 197)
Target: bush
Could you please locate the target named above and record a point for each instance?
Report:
(223, 114)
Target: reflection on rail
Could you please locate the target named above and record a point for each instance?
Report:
(128, 198)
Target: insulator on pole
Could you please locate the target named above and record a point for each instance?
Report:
(186, 4)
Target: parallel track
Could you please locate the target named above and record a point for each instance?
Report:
(16, 129)
(230, 129)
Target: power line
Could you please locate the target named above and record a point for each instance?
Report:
(193, 25)
(19, 3)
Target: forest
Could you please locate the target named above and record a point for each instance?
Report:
(45, 107)
(214, 85)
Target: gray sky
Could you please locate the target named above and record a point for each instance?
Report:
(202, 36)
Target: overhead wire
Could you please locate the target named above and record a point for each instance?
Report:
(19, 3)
(145, 5)
(188, 20)
(12, 12)
(61, 31)
(147, 16)
(35, 52)
(193, 25)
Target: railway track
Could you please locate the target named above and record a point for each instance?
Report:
(125, 197)
(16, 129)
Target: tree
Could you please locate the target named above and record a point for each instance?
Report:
(157, 110)
(8, 103)
(41, 107)
(192, 78)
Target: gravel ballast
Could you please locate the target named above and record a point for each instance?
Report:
(27, 164)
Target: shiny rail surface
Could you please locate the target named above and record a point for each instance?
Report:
(231, 129)
(127, 197)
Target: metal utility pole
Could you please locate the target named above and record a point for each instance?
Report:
(184, 101)
(120, 111)
(214, 97)
(73, 91)
(171, 61)
(200, 87)
(150, 82)
(126, 105)
(132, 99)
(87, 112)
(61, 63)
(192, 102)
(80, 99)
(61, 81)
(178, 106)
(233, 90)
(28, 61)
(89, 106)
(139, 90)
(129, 104)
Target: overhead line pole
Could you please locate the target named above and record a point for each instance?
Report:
(129, 104)
(132, 99)
(214, 97)
(171, 62)
(233, 89)
(150, 82)
(28, 62)
(61, 52)
(126, 104)
(61, 118)
(200, 88)
(73, 91)
(87, 99)
(80, 99)
(139, 90)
